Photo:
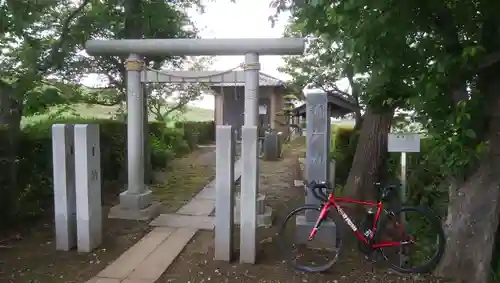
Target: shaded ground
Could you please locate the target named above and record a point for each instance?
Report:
(196, 264)
(28, 255)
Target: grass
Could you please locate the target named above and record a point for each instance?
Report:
(184, 178)
(104, 112)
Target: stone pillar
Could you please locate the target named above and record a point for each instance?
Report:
(148, 167)
(88, 187)
(317, 165)
(249, 153)
(63, 162)
(224, 193)
(136, 202)
(272, 110)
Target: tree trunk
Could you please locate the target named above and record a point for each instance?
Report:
(358, 118)
(473, 210)
(369, 156)
(10, 121)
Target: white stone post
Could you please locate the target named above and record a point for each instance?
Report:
(224, 193)
(63, 163)
(88, 187)
(249, 156)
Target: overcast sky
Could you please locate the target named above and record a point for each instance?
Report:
(243, 19)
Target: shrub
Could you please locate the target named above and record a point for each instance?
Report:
(34, 192)
(197, 132)
(344, 142)
(176, 140)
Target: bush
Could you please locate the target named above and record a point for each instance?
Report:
(177, 141)
(34, 192)
(344, 142)
(197, 132)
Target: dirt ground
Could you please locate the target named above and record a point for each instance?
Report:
(28, 254)
(196, 264)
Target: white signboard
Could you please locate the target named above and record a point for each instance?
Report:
(262, 109)
(403, 142)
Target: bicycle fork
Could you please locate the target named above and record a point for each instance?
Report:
(321, 218)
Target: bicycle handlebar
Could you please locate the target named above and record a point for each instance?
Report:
(316, 189)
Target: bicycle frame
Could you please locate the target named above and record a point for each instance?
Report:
(334, 201)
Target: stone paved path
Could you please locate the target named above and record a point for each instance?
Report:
(146, 261)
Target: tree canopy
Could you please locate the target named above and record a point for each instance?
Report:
(438, 60)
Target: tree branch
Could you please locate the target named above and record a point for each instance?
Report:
(56, 47)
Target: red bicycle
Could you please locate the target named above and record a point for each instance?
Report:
(383, 231)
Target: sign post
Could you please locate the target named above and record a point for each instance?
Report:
(403, 143)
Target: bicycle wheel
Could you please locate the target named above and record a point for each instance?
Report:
(316, 255)
(421, 236)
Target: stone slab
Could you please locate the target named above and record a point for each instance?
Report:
(160, 259)
(137, 281)
(197, 207)
(132, 258)
(208, 192)
(104, 280)
(318, 143)
(150, 212)
(184, 221)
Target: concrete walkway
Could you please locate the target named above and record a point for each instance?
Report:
(147, 260)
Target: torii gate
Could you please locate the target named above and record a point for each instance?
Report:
(136, 201)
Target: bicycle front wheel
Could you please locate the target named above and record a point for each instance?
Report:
(420, 236)
(318, 254)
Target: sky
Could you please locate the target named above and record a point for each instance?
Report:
(243, 19)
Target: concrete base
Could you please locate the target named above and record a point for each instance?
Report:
(136, 201)
(148, 213)
(264, 219)
(325, 237)
(264, 213)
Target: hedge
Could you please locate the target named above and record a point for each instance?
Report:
(197, 132)
(34, 184)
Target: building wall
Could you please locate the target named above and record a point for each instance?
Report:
(232, 102)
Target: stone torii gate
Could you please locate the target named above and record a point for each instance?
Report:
(136, 201)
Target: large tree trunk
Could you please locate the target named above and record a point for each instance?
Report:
(474, 208)
(10, 121)
(370, 153)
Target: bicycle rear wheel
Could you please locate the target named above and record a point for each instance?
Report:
(321, 252)
(421, 236)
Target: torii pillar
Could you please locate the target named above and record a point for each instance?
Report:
(136, 201)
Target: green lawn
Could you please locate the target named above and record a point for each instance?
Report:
(100, 111)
